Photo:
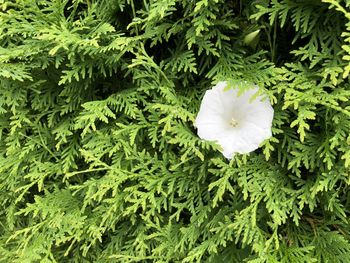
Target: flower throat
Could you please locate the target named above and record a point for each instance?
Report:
(233, 122)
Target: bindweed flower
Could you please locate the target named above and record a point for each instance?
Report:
(235, 121)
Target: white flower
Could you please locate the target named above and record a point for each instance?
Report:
(235, 121)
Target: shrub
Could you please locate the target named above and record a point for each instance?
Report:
(100, 161)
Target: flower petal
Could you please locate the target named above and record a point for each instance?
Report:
(228, 97)
(210, 131)
(260, 113)
(211, 102)
(232, 142)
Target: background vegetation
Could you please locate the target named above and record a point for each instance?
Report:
(99, 158)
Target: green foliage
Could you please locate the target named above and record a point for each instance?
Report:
(99, 157)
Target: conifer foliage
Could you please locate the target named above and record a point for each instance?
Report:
(99, 157)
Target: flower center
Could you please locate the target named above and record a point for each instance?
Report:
(233, 122)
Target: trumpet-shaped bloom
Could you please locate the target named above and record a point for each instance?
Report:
(235, 121)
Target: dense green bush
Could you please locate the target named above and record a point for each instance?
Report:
(99, 157)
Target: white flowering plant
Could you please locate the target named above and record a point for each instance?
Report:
(235, 121)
